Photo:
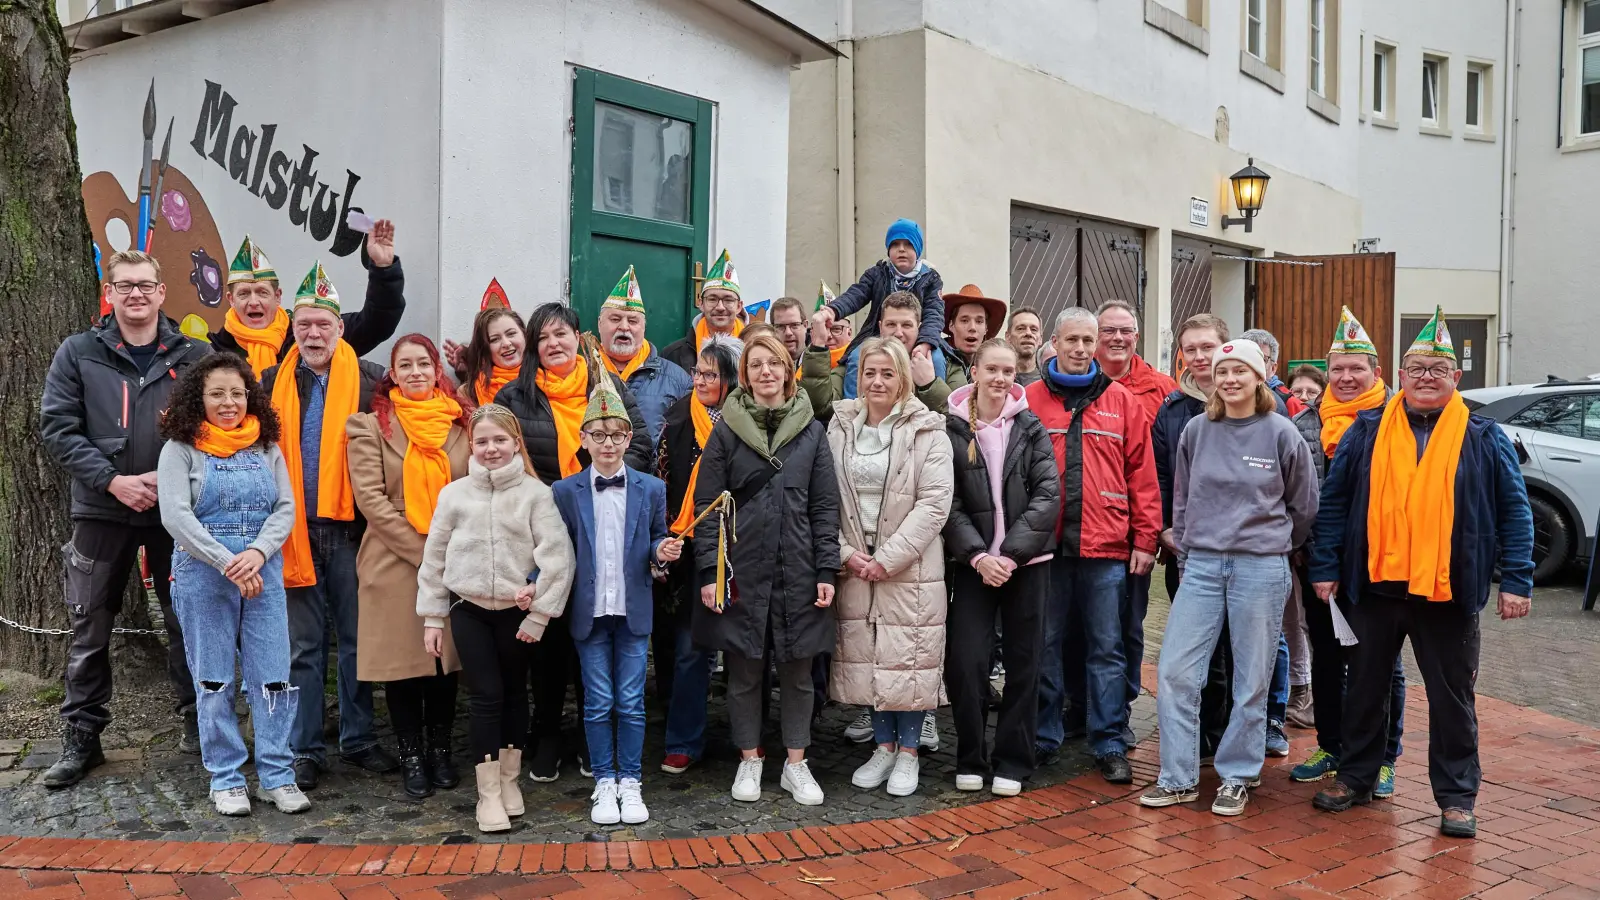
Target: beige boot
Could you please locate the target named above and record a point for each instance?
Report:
(491, 814)
(510, 768)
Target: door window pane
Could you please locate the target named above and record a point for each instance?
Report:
(642, 164)
(1555, 415)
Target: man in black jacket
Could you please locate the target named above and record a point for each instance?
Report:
(100, 418)
(256, 303)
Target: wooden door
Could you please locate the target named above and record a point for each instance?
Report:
(1059, 261)
(1300, 304)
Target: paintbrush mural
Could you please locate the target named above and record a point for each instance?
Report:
(166, 217)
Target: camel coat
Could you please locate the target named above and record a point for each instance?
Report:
(388, 630)
(890, 654)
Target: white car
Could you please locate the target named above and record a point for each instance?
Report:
(1556, 427)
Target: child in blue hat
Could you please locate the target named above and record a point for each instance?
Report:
(904, 270)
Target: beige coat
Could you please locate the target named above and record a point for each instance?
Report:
(891, 633)
(388, 632)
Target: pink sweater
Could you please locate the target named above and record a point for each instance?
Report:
(991, 438)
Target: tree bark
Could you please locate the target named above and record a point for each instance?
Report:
(47, 292)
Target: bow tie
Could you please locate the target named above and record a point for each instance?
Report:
(614, 481)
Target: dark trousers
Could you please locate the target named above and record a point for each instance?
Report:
(321, 616)
(98, 560)
(1444, 638)
(969, 641)
(1135, 603)
(418, 703)
(1328, 679)
(553, 667)
(1216, 698)
(495, 665)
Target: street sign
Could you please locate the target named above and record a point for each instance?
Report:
(1199, 212)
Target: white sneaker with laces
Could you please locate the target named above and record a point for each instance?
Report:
(798, 782)
(288, 799)
(631, 800)
(604, 811)
(747, 781)
(875, 771)
(930, 733)
(969, 782)
(1005, 787)
(232, 801)
(903, 780)
(860, 730)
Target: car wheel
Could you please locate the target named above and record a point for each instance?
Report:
(1552, 539)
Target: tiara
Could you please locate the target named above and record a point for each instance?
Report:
(487, 408)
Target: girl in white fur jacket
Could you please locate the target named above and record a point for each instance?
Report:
(498, 543)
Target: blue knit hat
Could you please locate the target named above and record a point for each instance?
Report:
(905, 230)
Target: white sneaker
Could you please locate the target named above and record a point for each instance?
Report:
(288, 799)
(969, 782)
(798, 782)
(875, 771)
(860, 730)
(634, 811)
(747, 781)
(903, 780)
(930, 733)
(604, 811)
(1005, 787)
(232, 802)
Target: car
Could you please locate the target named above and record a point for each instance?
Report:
(1556, 427)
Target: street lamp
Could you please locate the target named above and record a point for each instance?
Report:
(1249, 190)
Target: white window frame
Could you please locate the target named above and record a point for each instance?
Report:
(1255, 25)
(1318, 54)
(1437, 67)
(1381, 99)
(1430, 91)
(1484, 130)
(1585, 42)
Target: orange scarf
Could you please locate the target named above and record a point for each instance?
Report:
(223, 444)
(334, 499)
(701, 417)
(632, 366)
(261, 345)
(569, 399)
(1412, 508)
(1338, 416)
(702, 332)
(487, 388)
(426, 469)
(836, 354)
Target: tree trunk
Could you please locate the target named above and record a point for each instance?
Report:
(47, 292)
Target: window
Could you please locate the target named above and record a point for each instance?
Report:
(1319, 46)
(1184, 20)
(1563, 415)
(1479, 98)
(1261, 42)
(1589, 69)
(1383, 82)
(1255, 28)
(1430, 92)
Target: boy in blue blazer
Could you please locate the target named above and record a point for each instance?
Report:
(618, 521)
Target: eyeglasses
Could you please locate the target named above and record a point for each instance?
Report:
(225, 396)
(707, 377)
(602, 438)
(1437, 373)
(791, 326)
(838, 329)
(124, 288)
(719, 302)
(1113, 332)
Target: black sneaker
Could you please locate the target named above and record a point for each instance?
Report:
(374, 759)
(545, 766)
(583, 764)
(305, 774)
(1231, 800)
(1458, 823)
(1043, 757)
(1157, 796)
(1114, 768)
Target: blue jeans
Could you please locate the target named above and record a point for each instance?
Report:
(1083, 620)
(1278, 695)
(332, 598)
(1247, 592)
(898, 728)
(612, 661)
(691, 687)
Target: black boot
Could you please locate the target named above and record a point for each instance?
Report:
(190, 742)
(80, 752)
(441, 769)
(413, 773)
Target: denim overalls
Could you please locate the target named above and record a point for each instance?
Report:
(236, 497)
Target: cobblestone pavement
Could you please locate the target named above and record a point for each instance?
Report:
(148, 790)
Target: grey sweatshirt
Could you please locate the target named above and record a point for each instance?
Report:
(1243, 486)
(181, 475)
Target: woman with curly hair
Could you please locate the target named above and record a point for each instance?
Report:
(401, 455)
(228, 503)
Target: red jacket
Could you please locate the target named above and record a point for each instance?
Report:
(1147, 383)
(1108, 470)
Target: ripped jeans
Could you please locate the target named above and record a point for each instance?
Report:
(218, 628)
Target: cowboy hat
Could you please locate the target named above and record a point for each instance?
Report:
(996, 309)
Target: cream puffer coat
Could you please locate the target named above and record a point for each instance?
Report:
(890, 654)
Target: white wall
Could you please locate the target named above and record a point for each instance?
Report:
(325, 74)
(506, 153)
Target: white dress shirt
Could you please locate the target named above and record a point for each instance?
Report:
(610, 511)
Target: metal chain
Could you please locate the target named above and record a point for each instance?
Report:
(59, 631)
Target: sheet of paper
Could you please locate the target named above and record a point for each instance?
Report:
(359, 221)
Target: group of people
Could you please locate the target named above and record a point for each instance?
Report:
(882, 517)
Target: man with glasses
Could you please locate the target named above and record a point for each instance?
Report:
(100, 418)
(788, 318)
(656, 383)
(720, 311)
(1422, 503)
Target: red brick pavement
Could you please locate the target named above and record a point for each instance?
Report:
(1537, 815)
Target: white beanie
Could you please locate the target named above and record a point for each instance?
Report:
(1245, 351)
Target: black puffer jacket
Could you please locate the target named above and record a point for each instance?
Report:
(101, 417)
(788, 543)
(364, 329)
(532, 408)
(1030, 500)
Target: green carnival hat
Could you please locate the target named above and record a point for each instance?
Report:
(626, 294)
(250, 264)
(824, 296)
(605, 403)
(1350, 337)
(1434, 339)
(316, 290)
(721, 277)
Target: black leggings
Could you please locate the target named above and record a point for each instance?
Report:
(428, 701)
(553, 665)
(495, 665)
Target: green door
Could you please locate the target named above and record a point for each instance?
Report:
(641, 196)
